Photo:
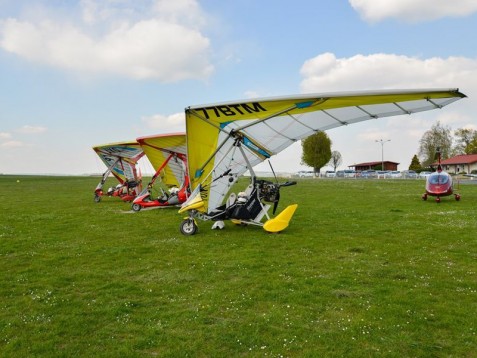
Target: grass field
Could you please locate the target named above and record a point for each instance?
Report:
(366, 268)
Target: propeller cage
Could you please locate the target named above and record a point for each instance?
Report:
(268, 191)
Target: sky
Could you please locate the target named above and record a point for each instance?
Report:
(80, 73)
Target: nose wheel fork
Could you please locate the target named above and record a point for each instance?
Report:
(189, 227)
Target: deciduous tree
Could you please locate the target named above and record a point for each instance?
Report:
(466, 141)
(316, 151)
(437, 137)
(335, 160)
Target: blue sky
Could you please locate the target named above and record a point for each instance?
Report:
(74, 74)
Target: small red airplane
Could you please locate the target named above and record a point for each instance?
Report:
(439, 183)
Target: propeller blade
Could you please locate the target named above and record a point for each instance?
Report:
(288, 183)
(275, 204)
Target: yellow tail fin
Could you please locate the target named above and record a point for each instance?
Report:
(280, 222)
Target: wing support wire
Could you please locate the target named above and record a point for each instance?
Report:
(402, 108)
(434, 103)
(158, 171)
(233, 146)
(374, 116)
(428, 99)
(335, 118)
(168, 151)
(237, 144)
(106, 174)
(237, 137)
(199, 171)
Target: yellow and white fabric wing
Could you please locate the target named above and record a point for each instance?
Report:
(124, 156)
(264, 127)
(158, 149)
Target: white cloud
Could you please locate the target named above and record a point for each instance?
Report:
(412, 10)
(27, 129)
(180, 12)
(5, 135)
(12, 144)
(165, 124)
(128, 41)
(327, 73)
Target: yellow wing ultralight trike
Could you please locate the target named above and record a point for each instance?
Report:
(224, 140)
(167, 154)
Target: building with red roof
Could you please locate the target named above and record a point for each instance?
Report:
(373, 165)
(464, 163)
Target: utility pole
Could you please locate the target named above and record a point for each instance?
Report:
(382, 150)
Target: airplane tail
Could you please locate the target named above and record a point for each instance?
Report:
(281, 221)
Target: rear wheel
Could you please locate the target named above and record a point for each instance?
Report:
(188, 227)
(136, 207)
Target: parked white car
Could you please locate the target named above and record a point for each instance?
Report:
(349, 173)
(423, 175)
(330, 174)
(394, 174)
(368, 173)
(409, 174)
(306, 174)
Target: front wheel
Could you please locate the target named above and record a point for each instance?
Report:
(136, 207)
(97, 198)
(188, 227)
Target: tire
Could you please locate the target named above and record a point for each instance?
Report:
(188, 227)
(136, 207)
(97, 198)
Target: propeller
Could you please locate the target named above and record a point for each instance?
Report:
(275, 189)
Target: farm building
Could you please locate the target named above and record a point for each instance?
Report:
(373, 165)
(464, 163)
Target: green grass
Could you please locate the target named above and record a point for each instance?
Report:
(365, 268)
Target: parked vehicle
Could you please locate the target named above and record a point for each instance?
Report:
(423, 175)
(330, 174)
(349, 173)
(306, 174)
(368, 173)
(409, 174)
(393, 174)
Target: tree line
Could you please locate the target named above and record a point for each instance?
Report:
(316, 149)
(450, 143)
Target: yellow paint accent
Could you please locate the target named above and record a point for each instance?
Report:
(280, 222)
(193, 203)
